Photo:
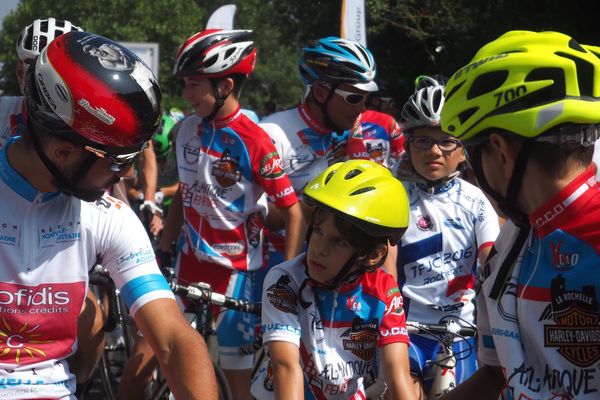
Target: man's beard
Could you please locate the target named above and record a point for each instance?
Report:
(88, 195)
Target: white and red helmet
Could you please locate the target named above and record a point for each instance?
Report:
(88, 88)
(216, 53)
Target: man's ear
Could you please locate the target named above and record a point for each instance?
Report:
(225, 86)
(62, 151)
(506, 152)
(320, 93)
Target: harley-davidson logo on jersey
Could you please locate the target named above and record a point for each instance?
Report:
(282, 296)
(576, 334)
(226, 170)
(270, 166)
(361, 339)
(376, 151)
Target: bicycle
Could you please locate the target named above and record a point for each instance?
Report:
(441, 370)
(202, 297)
(119, 330)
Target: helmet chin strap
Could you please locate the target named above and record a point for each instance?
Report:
(219, 99)
(323, 106)
(508, 204)
(66, 185)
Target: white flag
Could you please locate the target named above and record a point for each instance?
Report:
(222, 18)
(353, 24)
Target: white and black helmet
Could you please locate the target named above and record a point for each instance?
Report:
(35, 37)
(423, 108)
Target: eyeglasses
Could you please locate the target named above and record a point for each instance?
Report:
(351, 98)
(425, 143)
(119, 162)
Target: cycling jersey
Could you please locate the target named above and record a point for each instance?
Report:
(48, 243)
(306, 147)
(227, 167)
(338, 332)
(544, 328)
(377, 137)
(437, 256)
(12, 120)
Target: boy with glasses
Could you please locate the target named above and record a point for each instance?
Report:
(452, 228)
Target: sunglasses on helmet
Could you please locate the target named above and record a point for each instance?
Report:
(118, 162)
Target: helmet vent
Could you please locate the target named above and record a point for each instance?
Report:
(585, 74)
(329, 176)
(575, 45)
(437, 99)
(465, 115)
(555, 91)
(362, 190)
(486, 83)
(351, 174)
(329, 48)
(451, 92)
(209, 61)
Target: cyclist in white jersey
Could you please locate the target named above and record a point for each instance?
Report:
(81, 136)
(527, 108)
(452, 229)
(34, 38)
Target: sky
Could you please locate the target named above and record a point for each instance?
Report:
(6, 6)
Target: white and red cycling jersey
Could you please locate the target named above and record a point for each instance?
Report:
(338, 332)
(437, 257)
(227, 168)
(12, 117)
(48, 243)
(376, 136)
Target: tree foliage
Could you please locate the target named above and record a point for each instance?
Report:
(407, 37)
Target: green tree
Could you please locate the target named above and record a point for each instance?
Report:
(167, 22)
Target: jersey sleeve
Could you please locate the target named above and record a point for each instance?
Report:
(486, 349)
(393, 323)
(487, 226)
(280, 308)
(126, 252)
(269, 173)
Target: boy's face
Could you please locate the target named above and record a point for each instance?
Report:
(328, 250)
(434, 163)
(199, 94)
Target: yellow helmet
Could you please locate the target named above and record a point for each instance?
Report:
(526, 83)
(365, 194)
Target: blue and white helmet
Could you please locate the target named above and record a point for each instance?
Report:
(334, 60)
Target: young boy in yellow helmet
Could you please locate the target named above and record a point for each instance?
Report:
(331, 314)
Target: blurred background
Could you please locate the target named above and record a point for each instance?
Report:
(407, 37)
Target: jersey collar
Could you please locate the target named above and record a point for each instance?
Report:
(17, 183)
(309, 119)
(228, 119)
(561, 207)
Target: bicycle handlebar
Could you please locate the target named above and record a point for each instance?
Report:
(203, 292)
(451, 327)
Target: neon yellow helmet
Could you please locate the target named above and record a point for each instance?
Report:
(365, 194)
(526, 83)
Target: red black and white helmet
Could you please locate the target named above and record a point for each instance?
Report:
(35, 37)
(87, 88)
(216, 53)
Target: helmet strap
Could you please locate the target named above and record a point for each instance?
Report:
(508, 204)
(219, 99)
(65, 185)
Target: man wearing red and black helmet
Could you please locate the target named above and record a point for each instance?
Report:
(86, 125)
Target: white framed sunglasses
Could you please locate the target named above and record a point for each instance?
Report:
(118, 162)
(351, 98)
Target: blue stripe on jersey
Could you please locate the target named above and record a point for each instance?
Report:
(415, 251)
(16, 182)
(136, 288)
(488, 341)
(349, 306)
(200, 244)
(375, 131)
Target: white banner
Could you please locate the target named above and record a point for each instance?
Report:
(222, 18)
(353, 24)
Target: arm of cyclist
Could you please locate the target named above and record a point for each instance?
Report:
(173, 224)
(295, 226)
(485, 384)
(396, 368)
(181, 352)
(287, 375)
(148, 173)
